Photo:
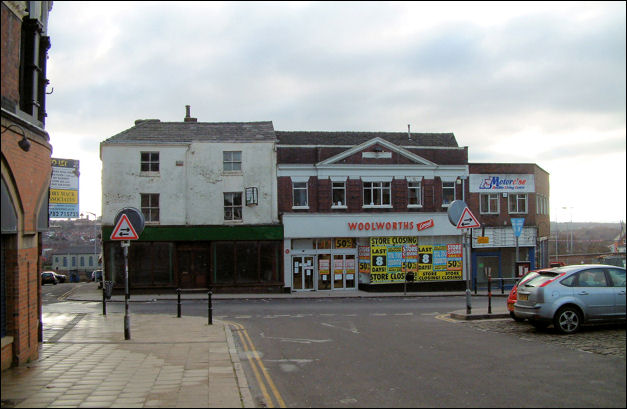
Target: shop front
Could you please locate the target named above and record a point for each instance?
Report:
(371, 252)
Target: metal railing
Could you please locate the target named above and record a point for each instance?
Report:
(196, 290)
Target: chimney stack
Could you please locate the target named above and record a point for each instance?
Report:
(187, 117)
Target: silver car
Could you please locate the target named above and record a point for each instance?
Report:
(570, 296)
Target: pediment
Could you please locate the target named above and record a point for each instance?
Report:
(373, 151)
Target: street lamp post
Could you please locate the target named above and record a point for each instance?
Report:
(95, 241)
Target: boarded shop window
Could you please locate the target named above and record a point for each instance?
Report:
(150, 263)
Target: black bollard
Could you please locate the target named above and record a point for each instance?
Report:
(178, 304)
(209, 309)
(489, 294)
(104, 301)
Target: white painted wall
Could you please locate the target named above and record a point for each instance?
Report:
(192, 193)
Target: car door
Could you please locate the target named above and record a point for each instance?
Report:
(617, 276)
(593, 290)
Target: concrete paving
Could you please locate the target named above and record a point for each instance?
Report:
(167, 362)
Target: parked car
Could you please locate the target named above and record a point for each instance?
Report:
(48, 277)
(511, 298)
(571, 296)
(62, 278)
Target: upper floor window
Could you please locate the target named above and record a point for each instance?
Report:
(517, 202)
(339, 194)
(489, 203)
(414, 191)
(232, 161)
(150, 161)
(299, 194)
(91, 261)
(448, 193)
(150, 206)
(542, 204)
(233, 206)
(82, 261)
(377, 194)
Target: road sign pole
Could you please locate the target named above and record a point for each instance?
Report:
(127, 318)
(466, 261)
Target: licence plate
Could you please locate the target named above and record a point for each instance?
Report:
(523, 297)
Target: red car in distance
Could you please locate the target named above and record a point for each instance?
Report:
(511, 299)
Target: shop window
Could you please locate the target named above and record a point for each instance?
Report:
(149, 161)
(517, 203)
(377, 194)
(246, 261)
(448, 193)
(232, 161)
(150, 263)
(489, 203)
(150, 206)
(299, 195)
(269, 256)
(323, 244)
(233, 206)
(223, 262)
(414, 191)
(339, 194)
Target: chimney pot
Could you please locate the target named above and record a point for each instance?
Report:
(187, 117)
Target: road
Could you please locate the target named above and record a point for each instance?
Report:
(405, 352)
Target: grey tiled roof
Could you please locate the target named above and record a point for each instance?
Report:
(154, 131)
(356, 138)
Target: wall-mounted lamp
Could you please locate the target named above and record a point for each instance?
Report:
(24, 143)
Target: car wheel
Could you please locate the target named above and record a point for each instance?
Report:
(567, 320)
(515, 318)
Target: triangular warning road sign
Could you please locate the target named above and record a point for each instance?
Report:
(468, 220)
(124, 230)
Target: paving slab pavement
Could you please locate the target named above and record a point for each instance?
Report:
(168, 362)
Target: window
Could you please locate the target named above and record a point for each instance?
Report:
(91, 261)
(517, 203)
(489, 203)
(150, 206)
(339, 194)
(591, 278)
(82, 261)
(232, 161)
(233, 206)
(542, 204)
(64, 261)
(150, 161)
(377, 193)
(414, 190)
(299, 194)
(33, 56)
(448, 193)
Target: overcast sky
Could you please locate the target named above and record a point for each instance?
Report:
(523, 82)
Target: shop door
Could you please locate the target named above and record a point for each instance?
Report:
(485, 263)
(303, 271)
(344, 276)
(193, 267)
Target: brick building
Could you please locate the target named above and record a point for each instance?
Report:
(362, 209)
(26, 170)
(498, 193)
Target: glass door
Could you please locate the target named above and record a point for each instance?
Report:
(324, 272)
(303, 272)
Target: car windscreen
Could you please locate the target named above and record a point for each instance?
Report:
(540, 279)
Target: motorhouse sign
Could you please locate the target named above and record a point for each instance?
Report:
(367, 225)
(490, 183)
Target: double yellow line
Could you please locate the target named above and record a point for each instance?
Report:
(261, 374)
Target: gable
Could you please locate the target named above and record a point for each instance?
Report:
(374, 152)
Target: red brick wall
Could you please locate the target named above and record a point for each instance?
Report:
(10, 61)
